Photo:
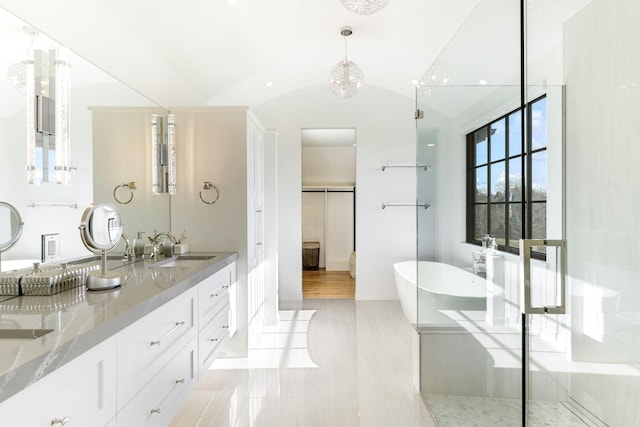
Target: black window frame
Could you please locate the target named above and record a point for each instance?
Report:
(526, 204)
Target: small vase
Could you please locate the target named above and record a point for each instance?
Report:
(180, 248)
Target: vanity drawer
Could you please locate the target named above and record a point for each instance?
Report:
(160, 399)
(212, 338)
(148, 344)
(212, 292)
(80, 393)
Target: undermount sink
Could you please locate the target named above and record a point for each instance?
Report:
(185, 260)
(14, 338)
(194, 257)
(23, 334)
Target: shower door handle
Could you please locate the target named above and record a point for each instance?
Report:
(525, 276)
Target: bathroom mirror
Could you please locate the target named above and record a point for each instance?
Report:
(105, 151)
(100, 231)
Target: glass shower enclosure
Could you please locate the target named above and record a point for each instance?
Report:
(520, 318)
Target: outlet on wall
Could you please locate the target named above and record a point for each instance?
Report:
(50, 247)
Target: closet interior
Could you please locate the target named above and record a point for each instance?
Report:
(328, 213)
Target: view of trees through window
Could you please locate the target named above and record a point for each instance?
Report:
(507, 178)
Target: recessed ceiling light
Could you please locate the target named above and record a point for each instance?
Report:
(431, 145)
(483, 82)
(415, 82)
(269, 83)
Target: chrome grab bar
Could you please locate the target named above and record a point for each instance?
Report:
(420, 205)
(525, 276)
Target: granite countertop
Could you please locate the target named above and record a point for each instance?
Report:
(80, 319)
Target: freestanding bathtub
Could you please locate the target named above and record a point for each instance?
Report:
(441, 287)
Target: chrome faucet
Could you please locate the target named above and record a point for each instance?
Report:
(156, 244)
(128, 249)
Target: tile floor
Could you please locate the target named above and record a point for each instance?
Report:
(328, 363)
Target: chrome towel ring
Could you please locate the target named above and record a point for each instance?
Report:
(131, 186)
(207, 185)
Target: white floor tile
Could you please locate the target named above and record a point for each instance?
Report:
(330, 363)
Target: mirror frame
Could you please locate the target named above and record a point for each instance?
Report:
(15, 236)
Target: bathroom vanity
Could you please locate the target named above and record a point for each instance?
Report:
(127, 356)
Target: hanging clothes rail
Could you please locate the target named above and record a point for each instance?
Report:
(336, 189)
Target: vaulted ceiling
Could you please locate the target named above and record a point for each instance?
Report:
(210, 52)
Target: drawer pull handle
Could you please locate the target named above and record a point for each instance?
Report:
(180, 381)
(225, 327)
(225, 287)
(213, 295)
(213, 339)
(175, 328)
(58, 421)
(155, 411)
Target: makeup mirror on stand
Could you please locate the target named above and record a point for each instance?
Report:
(101, 230)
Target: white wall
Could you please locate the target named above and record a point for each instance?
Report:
(327, 166)
(602, 65)
(385, 134)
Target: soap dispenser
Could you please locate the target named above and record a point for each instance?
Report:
(138, 245)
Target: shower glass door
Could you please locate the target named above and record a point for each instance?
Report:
(552, 347)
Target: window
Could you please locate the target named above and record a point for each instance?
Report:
(504, 200)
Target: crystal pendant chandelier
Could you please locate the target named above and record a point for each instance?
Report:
(364, 7)
(346, 78)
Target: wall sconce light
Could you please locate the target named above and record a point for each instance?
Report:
(131, 186)
(47, 90)
(163, 154)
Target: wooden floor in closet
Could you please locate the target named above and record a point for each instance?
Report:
(328, 284)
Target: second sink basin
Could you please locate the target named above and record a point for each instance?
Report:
(194, 257)
(185, 260)
(14, 338)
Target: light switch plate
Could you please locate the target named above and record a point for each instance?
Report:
(50, 247)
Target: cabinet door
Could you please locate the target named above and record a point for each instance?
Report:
(160, 399)
(212, 338)
(80, 393)
(213, 292)
(148, 344)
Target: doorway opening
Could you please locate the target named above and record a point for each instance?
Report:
(328, 213)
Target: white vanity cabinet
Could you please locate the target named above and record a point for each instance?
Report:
(142, 374)
(80, 393)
